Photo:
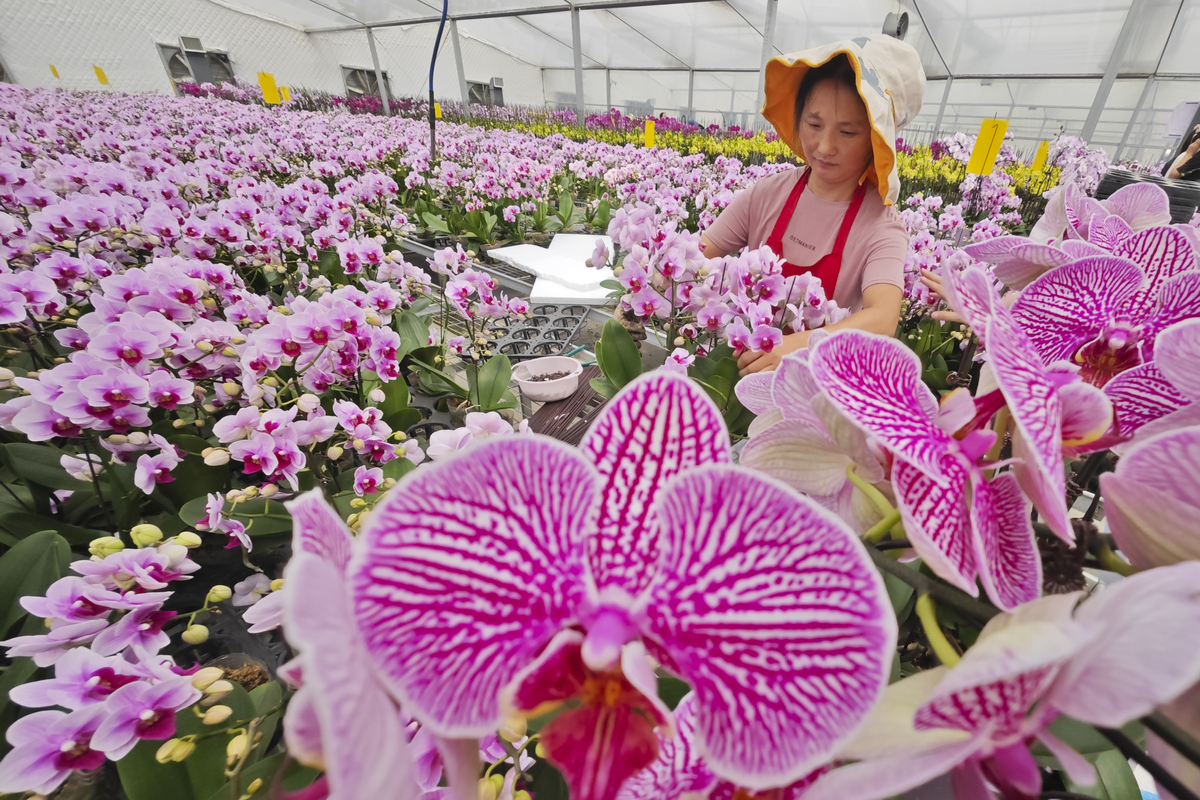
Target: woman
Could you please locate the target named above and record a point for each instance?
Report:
(1186, 166)
(838, 107)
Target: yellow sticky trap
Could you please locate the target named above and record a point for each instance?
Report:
(54, 70)
(100, 76)
(987, 146)
(649, 133)
(437, 110)
(270, 91)
(285, 93)
(1039, 160)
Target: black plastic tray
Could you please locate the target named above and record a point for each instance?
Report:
(548, 332)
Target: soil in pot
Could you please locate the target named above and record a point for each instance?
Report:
(549, 376)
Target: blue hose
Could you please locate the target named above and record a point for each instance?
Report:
(432, 62)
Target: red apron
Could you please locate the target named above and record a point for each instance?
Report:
(828, 267)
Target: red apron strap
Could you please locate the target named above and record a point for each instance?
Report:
(775, 240)
(848, 221)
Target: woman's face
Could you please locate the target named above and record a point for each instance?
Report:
(835, 133)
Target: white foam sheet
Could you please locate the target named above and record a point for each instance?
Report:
(544, 263)
(578, 246)
(548, 291)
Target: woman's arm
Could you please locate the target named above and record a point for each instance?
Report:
(711, 250)
(880, 314)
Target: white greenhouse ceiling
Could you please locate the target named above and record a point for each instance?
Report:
(960, 38)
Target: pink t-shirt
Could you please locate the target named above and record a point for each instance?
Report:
(875, 249)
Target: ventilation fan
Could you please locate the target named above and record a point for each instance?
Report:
(896, 25)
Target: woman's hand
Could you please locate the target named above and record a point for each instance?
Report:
(933, 282)
(751, 362)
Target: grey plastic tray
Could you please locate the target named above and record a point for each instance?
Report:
(548, 332)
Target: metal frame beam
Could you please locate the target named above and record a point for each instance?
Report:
(767, 49)
(524, 12)
(577, 52)
(379, 81)
(1137, 110)
(937, 126)
(1114, 64)
(462, 76)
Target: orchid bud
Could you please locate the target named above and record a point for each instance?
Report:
(268, 490)
(250, 491)
(209, 408)
(399, 436)
(539, 751)
(216, 692)
(521, 794)
(145, 534)
(270, 381)
(179, 423)
(237, 338)
(216, 715)
(488, 789)
(218, 594)
(195, 634)
(334, 453)
(308, 403)
(358, 444)
(209, 304)
(233, 494)
(189, 540)
(254, 786)
(236, 749)
(679, 341)
(358, 502)
(513, 729)
(80, 286)
(138, 438)
(374, 319)
(617, 270)
(276, 584)
(231, 388)
(388, 483)
(204, 346)
(207, 677)
(118, 438)
(6, 374)
(175, 750)
(229, 352)
(105, 546)
(217, 457)
(376, 395)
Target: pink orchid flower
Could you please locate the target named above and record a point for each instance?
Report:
(48, 746)
(1163, 394)
(592, 559)
(1103, 312)
(1133, 646)
(961, 524)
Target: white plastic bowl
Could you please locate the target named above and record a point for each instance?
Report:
(547, 391)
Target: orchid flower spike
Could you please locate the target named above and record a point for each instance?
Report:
(523, 573)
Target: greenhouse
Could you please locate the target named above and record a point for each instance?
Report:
(599, 399)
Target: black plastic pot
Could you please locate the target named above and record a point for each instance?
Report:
(1184, 195)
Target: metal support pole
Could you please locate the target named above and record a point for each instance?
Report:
(691, 109)
(607, 90)
(383, 89)
(1114, 64)
(768, 48)
(937, 126)
(1137, 110)
(577, 47)
(462, 76)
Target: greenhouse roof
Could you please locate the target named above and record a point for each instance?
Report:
(959, 38)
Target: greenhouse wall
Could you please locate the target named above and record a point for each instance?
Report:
(122, 37)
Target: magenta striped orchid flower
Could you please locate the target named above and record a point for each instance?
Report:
(525, 574)
(1133, 646)
(1163, 394)
(1092, 227)
(798, 437)
(961, 524)
(341, 720)
(1103, 312)
(1053, 410)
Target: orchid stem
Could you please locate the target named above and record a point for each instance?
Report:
(880, 529)
(1179, 740)
(927, 613)
(879, 501)
(955, 598)
(1113, 562)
